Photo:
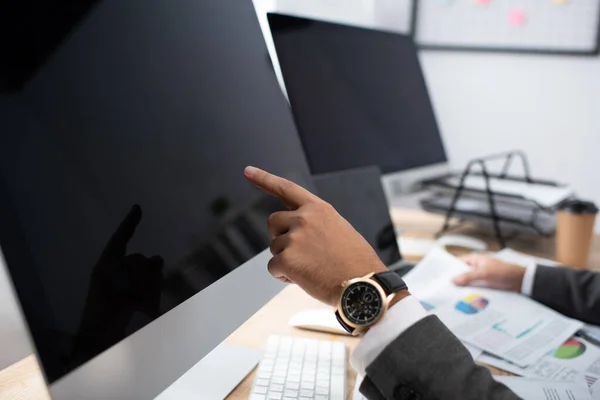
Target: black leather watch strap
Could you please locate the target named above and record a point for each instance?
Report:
(342, 323)
(390, 281)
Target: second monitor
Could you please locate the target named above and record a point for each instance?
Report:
(359, 98)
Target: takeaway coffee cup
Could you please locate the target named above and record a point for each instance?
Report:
(574, 228)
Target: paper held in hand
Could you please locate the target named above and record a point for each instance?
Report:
(508, 325)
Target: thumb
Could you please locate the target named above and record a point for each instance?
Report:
(467, 277)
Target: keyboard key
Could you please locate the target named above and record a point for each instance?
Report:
(322, 390)
(276, 388)
(323, 383)
(325, 347)
(337, 387)
(301, 369)
(260, 390)
(262, 382)
(307, 385)
(263, 375)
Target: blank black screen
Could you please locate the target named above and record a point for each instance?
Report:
(122, 151)
(358, 96)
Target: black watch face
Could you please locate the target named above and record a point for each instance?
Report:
(361, 303)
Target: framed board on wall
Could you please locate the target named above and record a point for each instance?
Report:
(527, 26)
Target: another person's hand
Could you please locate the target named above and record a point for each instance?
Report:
(492, 273)
(313, 245)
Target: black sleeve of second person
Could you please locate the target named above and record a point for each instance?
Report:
(574, 293)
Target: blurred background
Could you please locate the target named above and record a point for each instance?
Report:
(486, 101)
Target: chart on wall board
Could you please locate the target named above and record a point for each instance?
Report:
(555, 26)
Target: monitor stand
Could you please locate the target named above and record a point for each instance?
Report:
(215, 376)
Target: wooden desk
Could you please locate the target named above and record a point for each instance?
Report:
(23, 380)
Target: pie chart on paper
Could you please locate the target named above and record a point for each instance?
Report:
(572, 348)
(472, 304)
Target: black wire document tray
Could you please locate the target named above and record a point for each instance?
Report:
(508, 202)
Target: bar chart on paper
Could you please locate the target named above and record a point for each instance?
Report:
(515, 329)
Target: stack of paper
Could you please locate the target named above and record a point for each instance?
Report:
(507, 330)
(577, 359)
(508, 325)
(544, 195)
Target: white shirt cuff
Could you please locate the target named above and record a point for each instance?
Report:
(528, 278)
(399, 318)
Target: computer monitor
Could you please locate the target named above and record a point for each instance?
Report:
(132, 239)
(359, 98)
(358, 196)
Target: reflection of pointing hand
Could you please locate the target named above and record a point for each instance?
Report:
(128, 281)
(117, 244)
(313, 245)
(120, 285)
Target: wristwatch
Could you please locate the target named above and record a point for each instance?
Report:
(364, 301)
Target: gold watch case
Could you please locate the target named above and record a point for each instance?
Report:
(358, 329)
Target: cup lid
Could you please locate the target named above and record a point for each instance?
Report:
(576, 206)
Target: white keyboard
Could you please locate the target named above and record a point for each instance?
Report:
(301, 369)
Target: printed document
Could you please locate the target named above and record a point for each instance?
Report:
(476, 352)
(508, 325)
(532, 389)
(574, 360)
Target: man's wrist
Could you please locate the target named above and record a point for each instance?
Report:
(404, 314)
(398, 296)
(520, 276)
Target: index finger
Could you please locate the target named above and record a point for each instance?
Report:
(292, 195)
(117, 244)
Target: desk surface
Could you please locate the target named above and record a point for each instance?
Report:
(23, 380)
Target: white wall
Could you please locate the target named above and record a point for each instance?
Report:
(548, 106)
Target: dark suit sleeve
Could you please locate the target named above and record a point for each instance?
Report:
(574, 293)
(427, 362)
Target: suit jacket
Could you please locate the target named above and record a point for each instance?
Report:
(427, 362)
(574, 293)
